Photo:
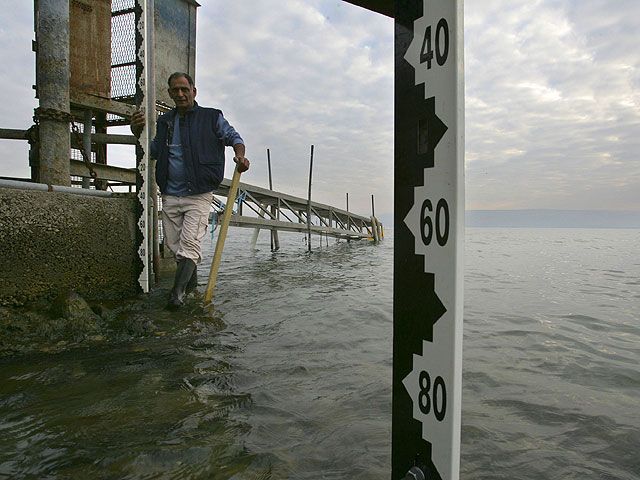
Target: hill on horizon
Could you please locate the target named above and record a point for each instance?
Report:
(553, 218)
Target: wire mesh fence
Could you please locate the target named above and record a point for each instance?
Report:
(76, 154)
(123, 49)
(119, 5)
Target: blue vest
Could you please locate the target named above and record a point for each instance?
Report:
(202, 150)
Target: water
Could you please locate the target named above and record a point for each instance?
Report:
(552, 349)
(290, 377)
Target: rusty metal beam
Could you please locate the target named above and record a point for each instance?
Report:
(102, 104)
(13, 134)
(113, 139)
(105, 172)
(100, 138)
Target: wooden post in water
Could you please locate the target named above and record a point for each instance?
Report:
(374, 230)
(256, 230)
(275, 241)
(374, 223)
(348, 216)
(309, 203)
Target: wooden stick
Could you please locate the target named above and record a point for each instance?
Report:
(226, 218)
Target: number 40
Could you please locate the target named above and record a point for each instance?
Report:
(426, 54)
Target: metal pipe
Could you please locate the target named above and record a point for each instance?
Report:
(86, 142)
(270, 188)
(348, 217)
(309, 202)
(43, 187)
(52, 60)
(100, 149)
(24, 185)
(269, 166)
(275, 241)
(80, 191)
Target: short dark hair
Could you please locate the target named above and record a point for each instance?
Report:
(175, 75)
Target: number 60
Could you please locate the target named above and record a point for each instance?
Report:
(426, 224)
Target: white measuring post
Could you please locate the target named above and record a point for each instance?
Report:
(429, 246)
(146, 83)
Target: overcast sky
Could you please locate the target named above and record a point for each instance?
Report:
(552, 98)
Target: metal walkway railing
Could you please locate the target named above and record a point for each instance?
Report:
(281, 211)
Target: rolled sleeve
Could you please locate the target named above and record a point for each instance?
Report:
(227, 133)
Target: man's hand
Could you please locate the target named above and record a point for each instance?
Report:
(242, 162)
(137, 122)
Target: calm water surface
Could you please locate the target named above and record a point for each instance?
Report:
(290, 377)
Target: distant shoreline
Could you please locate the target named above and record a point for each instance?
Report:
(552, 219)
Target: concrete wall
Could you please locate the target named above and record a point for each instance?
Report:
(51, 242)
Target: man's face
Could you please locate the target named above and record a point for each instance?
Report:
(182, 93)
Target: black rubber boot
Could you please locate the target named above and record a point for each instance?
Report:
(184, 272)
(193, 282)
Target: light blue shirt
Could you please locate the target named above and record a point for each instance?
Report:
(177, 178)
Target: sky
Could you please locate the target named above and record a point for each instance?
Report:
(552, 98)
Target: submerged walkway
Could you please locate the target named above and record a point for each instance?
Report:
(281, 211)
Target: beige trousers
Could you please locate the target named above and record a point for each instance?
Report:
(184, 221)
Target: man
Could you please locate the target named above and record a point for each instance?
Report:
(189, 150)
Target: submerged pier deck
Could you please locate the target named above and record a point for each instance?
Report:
(277, 211)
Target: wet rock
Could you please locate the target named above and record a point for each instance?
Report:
(107, 314)
(71, 305)
(22, 331)
(139, 325)
(80, 321)
(5, 315)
